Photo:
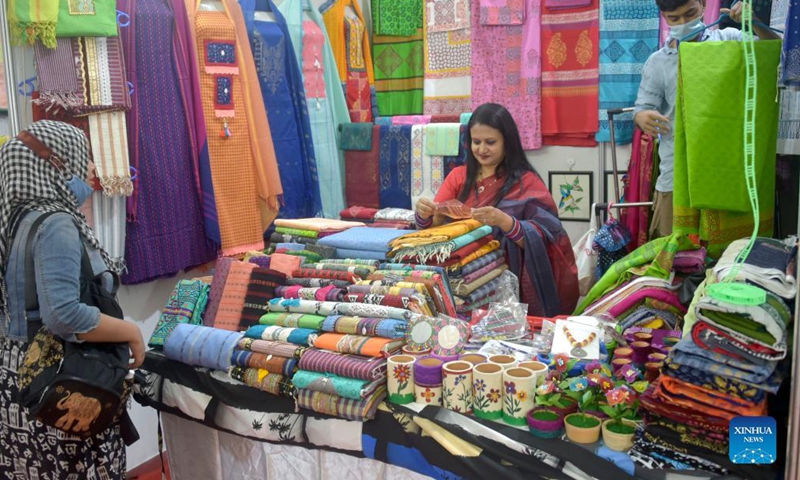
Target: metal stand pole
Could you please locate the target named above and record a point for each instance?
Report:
(11, 82)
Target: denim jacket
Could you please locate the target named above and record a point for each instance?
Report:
(57, 252)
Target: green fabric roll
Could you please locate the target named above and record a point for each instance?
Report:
(293, 320)
(298, 232)
(329, 383)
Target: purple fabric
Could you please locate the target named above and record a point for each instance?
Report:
(690, 261)
(483, 271)
(168, 234)
(262, 262)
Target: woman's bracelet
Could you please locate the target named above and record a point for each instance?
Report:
(421, 222)
(516, 233)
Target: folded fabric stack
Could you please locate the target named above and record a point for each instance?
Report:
(358, 214)
(187, 304)
(345, 373)
(362, 243)
(468, 252)
(430, 281)
(266, 365)
(398, 218)
(726, 364)
(307, 231)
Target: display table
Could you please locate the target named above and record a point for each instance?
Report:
(216, 428)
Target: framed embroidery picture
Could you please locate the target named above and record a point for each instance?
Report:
(608, 178)
(573, 193)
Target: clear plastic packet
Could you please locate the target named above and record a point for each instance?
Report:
(544, 340)
(454, 209)
(503, 321)
(521, 350)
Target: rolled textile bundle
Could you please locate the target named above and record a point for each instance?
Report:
(201, 346)
(357, 344)
(263, 380)
(371, 327)
(467, 278)
(356, 410)
(377, 311)
(384, 290)
(330, 293)
(276, 238)
(350, 366)
(333, 308)
(326, 274)
(185, 305)
(221, 270)
(440, 252)
(353, 261)
(353, 388)
(269, 347)
(397, 301)
(322, 250)
(298, 336)
(318, 282)
(293, 320)
(271, 363)
(395, 215)
(362, 271)
(468, 288)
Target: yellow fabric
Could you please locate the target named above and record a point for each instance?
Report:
(484, 250)
(333, 14)
(440, 234)
(451, 443)
(317, 224)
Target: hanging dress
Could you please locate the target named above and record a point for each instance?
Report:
(167, 232)
(448, 57)
(282, 91)
(327, 108)
(348, 35)
(243, 166)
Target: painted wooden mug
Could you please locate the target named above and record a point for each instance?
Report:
(539, 370)
(457, 386)
(400, 381)
(487, 391)
(518, 391)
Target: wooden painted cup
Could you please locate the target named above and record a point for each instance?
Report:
(505, 361)
(519, 385)
(539, 370)
(457, 386)
(400, 379)
(487, 391)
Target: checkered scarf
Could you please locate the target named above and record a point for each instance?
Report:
(28, 182)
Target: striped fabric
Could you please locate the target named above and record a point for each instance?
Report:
(263, 380)
(109, 227)
(260, 290)
(268, 347)
(221, 270)
(272, 363)
(229, 314)
(356, 410)
(318, 282)
(372, 327)
(109, 139)
(351, 366)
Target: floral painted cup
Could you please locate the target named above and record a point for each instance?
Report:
(400, 381)
(539, 370)
(457, 386)
(428, 395)
(487, 391)
(518, 391)
(505, 361)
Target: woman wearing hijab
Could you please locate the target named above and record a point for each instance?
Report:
(505, 192)
(29, 187)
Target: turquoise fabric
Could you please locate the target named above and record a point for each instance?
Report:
(332, 384)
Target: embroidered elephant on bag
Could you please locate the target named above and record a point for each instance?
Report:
(81, 412)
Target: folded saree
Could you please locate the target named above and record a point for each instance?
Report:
(458, 256)
(299, 232)
(354, 261)
(716, 442)
(395, 214)
(271, 363)
(474, 276)
(619, 293)
(491, 247)
(466, 289)
(767, 266)
(292, 320)
(482, 291)
(699, 441)
(347, 253)
(711, 402)
(326, 274)
(688, 416)
(356, 136)
(298, 336)
(352, 388)
(711, 381)
(667, 296)
(321, 250)
(185, 305)
(355, 410)
(690, 261)
(359, 270)
(719, 340)
(440, 234)
(440, 251)
(263, 380)
(358, 344)
(646, 316)
(231, 304)
(676, 456)
(268, 347)
(278, 237)
(360, 238)
(765, 323)
(478, 264)
(371, 327)
(317, 224)
(350, 366)
(395, 225)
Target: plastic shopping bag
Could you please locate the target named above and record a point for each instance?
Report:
(586, 256)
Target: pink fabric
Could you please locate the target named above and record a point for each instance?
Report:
(711, 16)
(633, 299)
(510, 80)
(411, 120)
(502, 12)
(483, 271)
(313, 60)
(639, 188)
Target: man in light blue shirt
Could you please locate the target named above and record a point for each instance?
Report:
(655, 103)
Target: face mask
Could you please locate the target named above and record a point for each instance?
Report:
(683, 33)
(80, 188)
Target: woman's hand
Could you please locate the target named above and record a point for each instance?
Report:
(493, 217)
(136, 345)
(425, 208)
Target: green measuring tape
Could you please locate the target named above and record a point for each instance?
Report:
(727, 290)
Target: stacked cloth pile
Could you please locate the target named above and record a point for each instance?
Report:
(467, 251)
(730, 359)
(362, 243)
(430, 282)
(186, 304)
(398, 218)
(308, 232)
(329, 273)
(344, 374)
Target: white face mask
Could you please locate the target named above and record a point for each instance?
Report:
(683, 32)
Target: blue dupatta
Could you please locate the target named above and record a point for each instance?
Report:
(395, 166)
(281, 88)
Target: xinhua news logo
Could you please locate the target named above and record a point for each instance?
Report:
(753, 440)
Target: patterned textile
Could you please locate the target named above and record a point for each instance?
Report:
(237, 196)
(273, 364)
(570, 75)
(640, 186)
(399, 71)
(317, 224)
(410, 120)
(464, 290)
(350, 44)
(263, 380)
(229, 313)
(362, 174)
(678, 413)
(260, 290)
(506, 69)
(452, 162)
(442, 139)
(298, 232)
(356, 136)
(45, 451)
(789, 124)
(72, 16)
(399, 18)
(765, 324)
(448, 51)
(318, 282)
(716, 207)
(344, 387)
(474, 276)
(303, 337)
(371, 327)
(501, 12)
(165, 233)
(713, 403)
(109, 227)
(441, 251)
(351, 366)
(326, 274)
(280, 80)
(267, 347)
(262, 262)
(769, 265)
(710, 381)
(446, 15)
(712, 337)
(186, 305)
(357, 344)
(368, 263)
(221, 271)
(355, 410)
(398, 301)
(360, 271)
(482, 292)
(468, 253)
(31, 20)
(292, 320)
(628, 35)
(359, 213)
(109, 140)
(395, 166)
(286, 264)
(363, 239)
(480, 263)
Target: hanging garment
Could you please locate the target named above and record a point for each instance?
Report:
(790, 67)
(363, 174)
(506, 69)
(165, 230)
(640, 187)
(245, 173)
(348, 36)
(570, 78)
(281, 88)
(395, 166)
(31, 20)
(399, 73)
(397, 18)
(327, 107)
(716, 206)
(628, 36)
(109, 227)
(427, 171)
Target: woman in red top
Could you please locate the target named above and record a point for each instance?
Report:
(505, 192)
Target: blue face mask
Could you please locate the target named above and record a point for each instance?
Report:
(687, 31)
(80, 188)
